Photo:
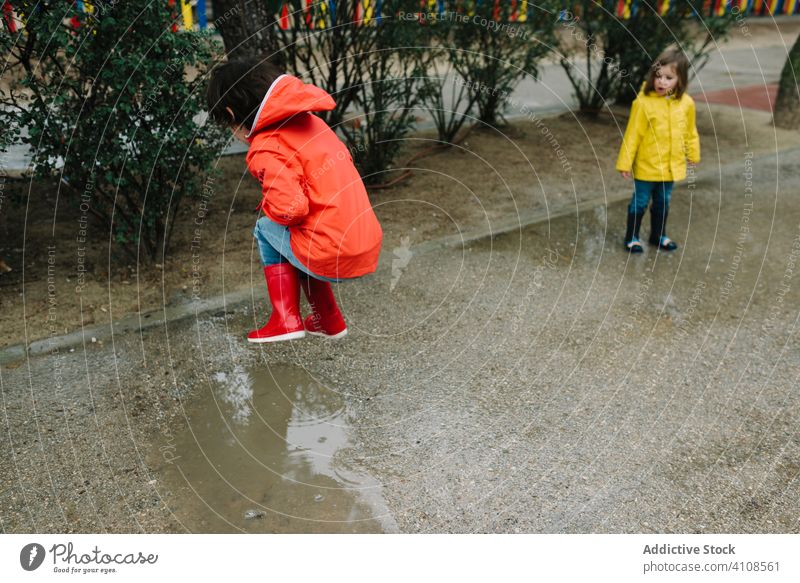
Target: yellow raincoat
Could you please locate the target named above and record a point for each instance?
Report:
(660, 137)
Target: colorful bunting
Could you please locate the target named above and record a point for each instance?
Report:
(202, 20)
(186, 14)
(320, 14)
(284, 20)
(9, 18)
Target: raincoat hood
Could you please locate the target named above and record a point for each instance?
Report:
(309, 183)
(288, 96)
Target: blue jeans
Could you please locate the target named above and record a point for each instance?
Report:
(644, 190)
(274, 246)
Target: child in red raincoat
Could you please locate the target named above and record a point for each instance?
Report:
(318, 225)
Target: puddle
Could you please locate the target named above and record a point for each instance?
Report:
(258, 455)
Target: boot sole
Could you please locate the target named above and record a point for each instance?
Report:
(341, 334)
(282, 337)
(662, 248)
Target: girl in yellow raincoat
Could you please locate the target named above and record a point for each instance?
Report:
(661, 136)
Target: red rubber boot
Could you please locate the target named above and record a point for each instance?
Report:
(284, 323)
(326, 319)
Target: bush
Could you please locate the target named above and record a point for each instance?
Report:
(607, 58)
(587, 55)
(492, 53)
(111, 101)
(381, 66)
(366, 61)
(448, 64)
(388, 96)
(445, 95)
(329, 48)
(685, 25)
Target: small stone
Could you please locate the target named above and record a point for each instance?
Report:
(253, 514)
(94, 339)
(319, 498)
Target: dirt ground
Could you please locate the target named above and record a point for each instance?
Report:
(531, 164)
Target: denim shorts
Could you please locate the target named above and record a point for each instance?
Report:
(274, 245)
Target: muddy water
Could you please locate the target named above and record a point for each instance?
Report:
(257, 453)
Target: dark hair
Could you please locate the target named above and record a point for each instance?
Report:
(671, 56)
(240, 84)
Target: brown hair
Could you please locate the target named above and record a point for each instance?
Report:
(241, 85)
(671, 56)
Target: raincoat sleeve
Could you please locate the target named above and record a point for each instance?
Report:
(284, 197)
(637, 124)
(692, 137)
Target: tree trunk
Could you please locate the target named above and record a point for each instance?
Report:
(247, 29)
(787, 105)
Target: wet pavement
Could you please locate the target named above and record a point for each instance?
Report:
(155, 433)
(255, 453)
(542, 381)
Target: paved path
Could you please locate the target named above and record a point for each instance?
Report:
(760, 97)
(549, 382)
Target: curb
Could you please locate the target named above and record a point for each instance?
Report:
(132, 323)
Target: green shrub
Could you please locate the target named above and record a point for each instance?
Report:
(382, 68)
(388, 95)
(329, 49)
(492, 54)
(444, 94)
(643, 36)
(368, 65)
(607, 58)
(112, 106)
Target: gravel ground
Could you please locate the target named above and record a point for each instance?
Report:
(542, 381)
(560, 385)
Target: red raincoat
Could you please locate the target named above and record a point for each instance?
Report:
(310, 183)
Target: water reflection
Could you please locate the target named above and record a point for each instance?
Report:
(257, 453)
